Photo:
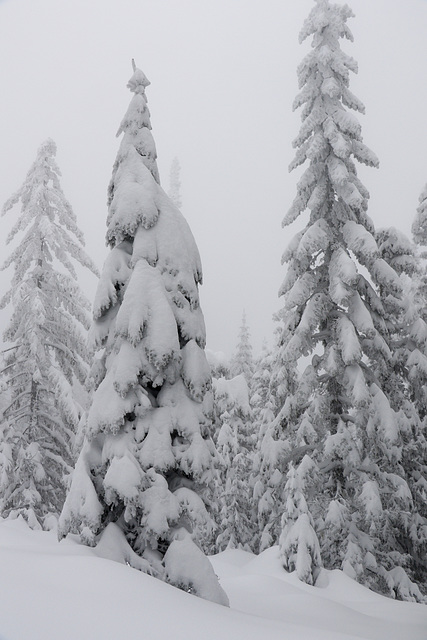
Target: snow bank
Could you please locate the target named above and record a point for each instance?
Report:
(64, 591)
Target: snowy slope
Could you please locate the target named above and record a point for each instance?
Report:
(63, 591)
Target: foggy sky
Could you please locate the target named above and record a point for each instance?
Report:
(223, 79)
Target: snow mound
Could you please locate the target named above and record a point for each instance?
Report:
(64, 590)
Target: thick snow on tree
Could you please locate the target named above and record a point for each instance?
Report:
(242, 361)
(48, 352)
(407, 317)
(261, 398)
(174, 192)
(409, 346)
(235, 444)
(335, 336)
(148, 456)
(299, 546)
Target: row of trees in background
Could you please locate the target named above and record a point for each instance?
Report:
(318, 445)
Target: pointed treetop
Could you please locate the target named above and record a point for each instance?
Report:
(319, 18)
(48, 147)
(137, 141)
(138, 81)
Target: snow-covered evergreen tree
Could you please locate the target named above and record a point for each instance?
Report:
(419, 226)
(235, 444)
(299, 546)
(242, 361)
(267, 504)
(148, 457)
(406, 317)
(48, 351)
(417, 310)
(262, 400)
(334, 314)
(174, 192)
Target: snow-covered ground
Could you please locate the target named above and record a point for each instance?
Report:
(64, 591)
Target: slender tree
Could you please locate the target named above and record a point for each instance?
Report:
(299, 545)
(265, 471)
(417, 310)
(419, 226)
(242, 361)
(148, 457)
(235, 444)
(48, 351)
(334, 313)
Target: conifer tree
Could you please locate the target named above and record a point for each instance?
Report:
(242, 361)
(48, 351)
(174, 192)
(405, 384)
(406, 317)
(417, 309)
(299, 545)
(419, 226)
(235, 444)
(334, 314)
(267, 504)
(148, 457)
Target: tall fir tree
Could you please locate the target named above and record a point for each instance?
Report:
(48, 352)
(336, 412)
(148, 457)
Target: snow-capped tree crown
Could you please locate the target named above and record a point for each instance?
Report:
(321, 257)
(48, 216)
(130, 194)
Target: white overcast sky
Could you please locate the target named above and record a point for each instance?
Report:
(223, 78)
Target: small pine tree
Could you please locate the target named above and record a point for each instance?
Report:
(235, 444)
(299, 546)
(264, 473)
(175, 183)
(242, 361)
(48, 352)
(148, 457)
